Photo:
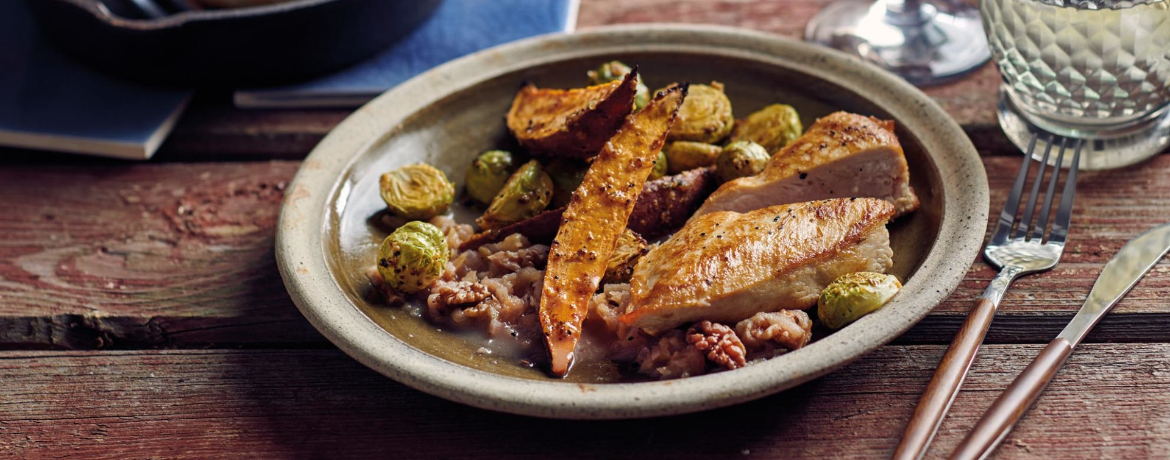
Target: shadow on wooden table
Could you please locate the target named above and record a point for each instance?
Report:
(328, 406)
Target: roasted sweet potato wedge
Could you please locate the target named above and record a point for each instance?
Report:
(572, 123)
(664, 206)
(593, 221)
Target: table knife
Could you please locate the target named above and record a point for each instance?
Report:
(1119, 276)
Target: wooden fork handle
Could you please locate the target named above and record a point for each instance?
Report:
(1011, 406)
(943, 387)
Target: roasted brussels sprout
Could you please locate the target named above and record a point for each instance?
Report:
(607, 72)
(487, 175)
(412, 257)
(526, 193)
(566, 176)
(620, 266)
(741, 159)
(704, 117)
(772, 127)
(855, 295)
(417, 191)
(685, 156)
(661, 165)
(615, 70)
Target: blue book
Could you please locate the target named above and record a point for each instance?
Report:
(49, 102)
(457, 28)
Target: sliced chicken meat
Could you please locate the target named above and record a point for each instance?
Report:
(727, 266)
(841, 155)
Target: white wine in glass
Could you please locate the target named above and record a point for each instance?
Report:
(1090, 69)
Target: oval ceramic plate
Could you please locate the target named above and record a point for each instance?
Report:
(328, 232)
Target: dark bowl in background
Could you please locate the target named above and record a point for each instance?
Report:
(259, 45)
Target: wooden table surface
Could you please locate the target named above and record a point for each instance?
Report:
(142, 316)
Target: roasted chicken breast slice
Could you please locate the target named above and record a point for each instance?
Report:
(727, 266)
(841, 155)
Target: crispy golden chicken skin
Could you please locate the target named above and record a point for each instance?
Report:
(573, 123)
(726, 266)
(593, 221)
(841, 155)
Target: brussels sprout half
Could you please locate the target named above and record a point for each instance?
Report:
(417, 191)
(772, 127)
(526, 193)
(855, 295)
(566, 175)
(741, 159)
(616, 70)
(685, 156)
(488, 174)
(704, 117)
(413, 257)
(661, 165)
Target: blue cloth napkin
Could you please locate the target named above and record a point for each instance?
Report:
(457, 28)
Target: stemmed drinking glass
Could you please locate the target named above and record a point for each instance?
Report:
(923, 42)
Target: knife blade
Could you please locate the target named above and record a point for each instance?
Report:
(1120, 274)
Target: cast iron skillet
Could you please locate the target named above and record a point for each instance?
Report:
(244, 46)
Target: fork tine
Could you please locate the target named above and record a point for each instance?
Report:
(1026, 218)
(1042, 221)
(1008, 215)
(1064, 212)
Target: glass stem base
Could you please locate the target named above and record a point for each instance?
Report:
(918, 41)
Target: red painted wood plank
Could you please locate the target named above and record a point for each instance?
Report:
(143, 255)
(1109, 402)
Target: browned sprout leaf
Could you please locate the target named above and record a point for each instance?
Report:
(630, 248)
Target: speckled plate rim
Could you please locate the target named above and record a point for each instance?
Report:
(301, 256)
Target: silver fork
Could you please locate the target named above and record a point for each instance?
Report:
(1017, 248)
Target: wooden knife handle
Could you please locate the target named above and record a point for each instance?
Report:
(1011, 406)
(943, 387)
